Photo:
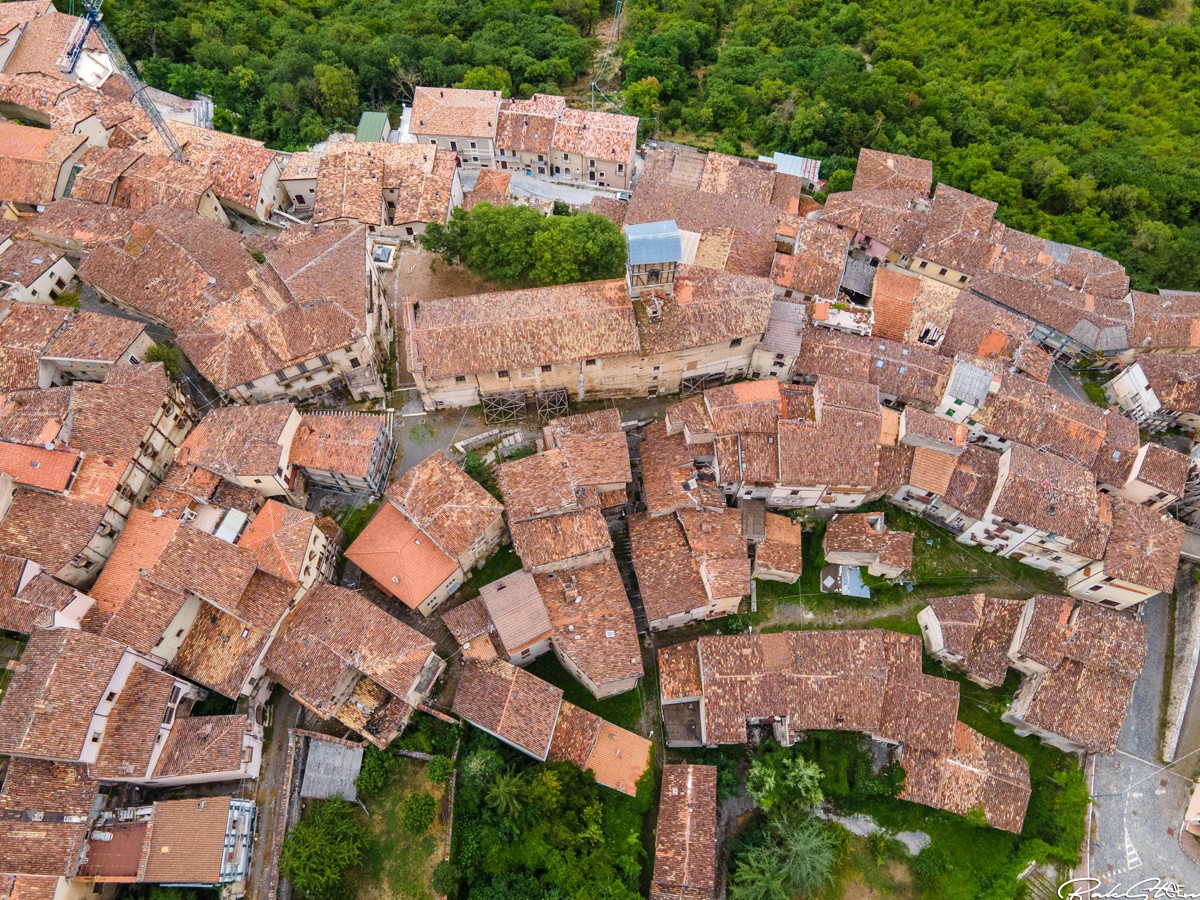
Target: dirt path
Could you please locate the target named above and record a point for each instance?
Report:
(285, 714)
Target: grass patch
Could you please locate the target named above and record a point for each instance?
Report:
(858, 874)
(941, 567)
(355, 519)
(503, 562)
(624, 710)
(12, 645)
(398, 864)
(1095, 393)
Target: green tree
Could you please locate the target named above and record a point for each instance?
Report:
(418, 812)
(506, 797)
(336, 95)
(644, 98)
(487, 78)
(169, 355)
(329, 839)
(474, 465)
(445, 879)
(795, 858)
(577, 248)
(439, 768)
(478, 769)
(781, 778)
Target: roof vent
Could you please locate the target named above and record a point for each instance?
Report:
(610, 633)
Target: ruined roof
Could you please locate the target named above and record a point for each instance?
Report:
(593, 622)
(331, 630)
(814, 267)
(510, 703)
(679, 672)
(445, 502)
(669, 475)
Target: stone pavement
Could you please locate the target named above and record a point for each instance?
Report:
(1138, 810)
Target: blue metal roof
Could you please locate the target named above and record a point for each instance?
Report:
(654, 242)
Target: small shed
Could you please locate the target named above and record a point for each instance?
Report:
(655, 252)
(330, 768)
(373, 127)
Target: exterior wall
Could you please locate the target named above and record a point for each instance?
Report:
(344, 366)
(576, 167)
(301, 191)
(1131, 393)
(46, 286)
(210, 207)
(431, 603)
(599, 691)
(575, 562)
(614, 376)
(821, 496)
(473, 152)
(536, 164)
(67, 370)
(64, 174)
(767, 574)
(1090, 583)
(1025, 544)
(484, 544)
(523, 656)
(938, 272)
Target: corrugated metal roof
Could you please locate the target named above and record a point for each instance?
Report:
(784, 329)
(372, 126)
(969, 383)
(654, 242)
(331, 769)
(800, 166)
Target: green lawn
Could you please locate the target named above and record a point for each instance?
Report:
(355, 519)
(12, 645)
(399, 865)
(624, 709)
(503, 562)
(941, 567)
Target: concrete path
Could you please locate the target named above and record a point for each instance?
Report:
(1060, 379)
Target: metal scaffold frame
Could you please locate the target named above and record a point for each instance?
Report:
(552, 404)
(503, 407)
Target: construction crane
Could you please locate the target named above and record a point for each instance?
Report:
(92, 20)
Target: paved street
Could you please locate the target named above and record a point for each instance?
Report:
(1136, 833)
(1061, 380)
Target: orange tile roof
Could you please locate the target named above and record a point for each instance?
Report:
(400, 558)
(187, 841)
(31, 160)
(50, 470)
(140, 545)
(279, 537)
(893, 302)
(932, 471)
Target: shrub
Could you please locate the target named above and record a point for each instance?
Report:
(328, 840)
(418, 812)
(474, 466)
(439, 768)
(170, 356)
(377, 768)
(445, 879)
(68, 298)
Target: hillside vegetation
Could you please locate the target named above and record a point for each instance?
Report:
(1078, 117)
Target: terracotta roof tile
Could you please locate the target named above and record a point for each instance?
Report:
(781, 550)
(814, 267)
(1165, 322)
(445, 502)
(932, 471)
(31, 160)
(48, 705)
(202, 745)
(140, 545)
(706, 307)
(454, 112)
(278, 537)
(979, 629)
(48, 529)
(134, 723)
(685, 850)
(510, 703)
(94, 336)
(670, 479)
(878, 170)
(37, 467)
(1144, 547)
(1165, 469)
(400, 557)
(679, 672)
(238, 440)
(596, 135)
(187, 841)
(668, 577)
(559, 538)
(593, 622)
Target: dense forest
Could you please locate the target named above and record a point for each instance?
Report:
(1078, 117)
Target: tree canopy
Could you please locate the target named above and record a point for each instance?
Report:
(519, 245)
(1076, 116)
(328, 840)
(289, 72)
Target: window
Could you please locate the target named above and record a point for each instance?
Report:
(503, 373)
(354, 363)
(941, 271)
(922, 265)
(302, 368)
(547, 368)
(656, 369)
(620, 168)
(793, 493)
(324, 360)
(589, 362)
(459, 379)
(736, 342)
(95, 737)
(566, 156)
(962, 279)
(110, 696)
(454, 145)
(472, 145)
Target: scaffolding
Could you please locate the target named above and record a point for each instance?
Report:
(503, 407)
(552, 404)
(695, 384)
